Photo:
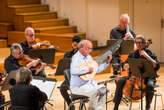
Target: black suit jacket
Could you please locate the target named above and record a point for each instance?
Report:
(28, 96)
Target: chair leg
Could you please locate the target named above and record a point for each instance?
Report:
(64, 105)
(155, 101)
(69, 107)
(81, 105)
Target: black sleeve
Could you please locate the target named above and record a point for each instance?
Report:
(25, 47)
(154, 57)
(9, 66)
(133, 33)
(112, 35)
(41, 97)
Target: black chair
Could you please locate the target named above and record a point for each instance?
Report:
(75, 98)
(5, 105)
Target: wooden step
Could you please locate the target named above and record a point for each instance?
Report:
(64, 42)
(22, 17)
(4, 28)
(57, 29)
(3, 43)
(29, 8)
(22, 2)
(46, 23)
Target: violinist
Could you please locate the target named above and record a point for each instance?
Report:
(149, 81)
(30, 39)
(30, 42)
(16, 54)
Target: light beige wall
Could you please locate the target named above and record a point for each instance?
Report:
(103, 15)
(94, 17)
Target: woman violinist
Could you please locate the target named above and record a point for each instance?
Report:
(149, 81)
(14, 61)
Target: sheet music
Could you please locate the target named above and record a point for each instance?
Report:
(45, 86)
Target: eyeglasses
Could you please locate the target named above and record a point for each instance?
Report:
(88, 48)
(139, 42)
(31, 35)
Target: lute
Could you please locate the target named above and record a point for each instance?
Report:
(95, 63)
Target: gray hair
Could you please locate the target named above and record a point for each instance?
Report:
(125, 16)
(29, 29)
(141, 37)
(25, 75)
(15, 47)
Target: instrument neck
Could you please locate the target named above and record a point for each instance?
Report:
(110, 50)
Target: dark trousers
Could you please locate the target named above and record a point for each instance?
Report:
(116, 64)
(150, 82)
(64, 92)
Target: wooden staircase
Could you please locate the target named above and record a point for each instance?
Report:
(47, 25)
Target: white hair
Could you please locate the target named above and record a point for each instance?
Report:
(15, 47)
(125, 16)
(29, 29)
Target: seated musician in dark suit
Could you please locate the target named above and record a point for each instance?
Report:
(64, 86)
(16, 54)
(149, 81)
(25, 96)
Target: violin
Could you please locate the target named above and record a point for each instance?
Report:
(2, 77)
(42, 44)
(25, 59)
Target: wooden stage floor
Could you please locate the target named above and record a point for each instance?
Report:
(58, 102)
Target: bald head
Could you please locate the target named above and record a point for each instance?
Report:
(85, 47)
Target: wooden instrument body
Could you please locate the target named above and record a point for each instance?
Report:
(92, 64)
(43, 44)
(136, 91)
(26, 59)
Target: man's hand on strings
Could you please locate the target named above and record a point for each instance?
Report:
(109, 59)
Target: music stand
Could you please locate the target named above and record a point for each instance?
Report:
(47, 55)
(63, 65)
(46, 85)
(123, 47)
(143, 68)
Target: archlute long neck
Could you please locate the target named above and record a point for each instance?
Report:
(127, 29)
(110, 50)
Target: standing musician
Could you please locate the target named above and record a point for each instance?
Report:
(25, 96)
(16, 54)
(89, 88)
(120, 32)
(64, 86)
(30, 42)
(149, 81)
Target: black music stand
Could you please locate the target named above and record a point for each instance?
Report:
(142, 68)
(47, 55)
(63, 65)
